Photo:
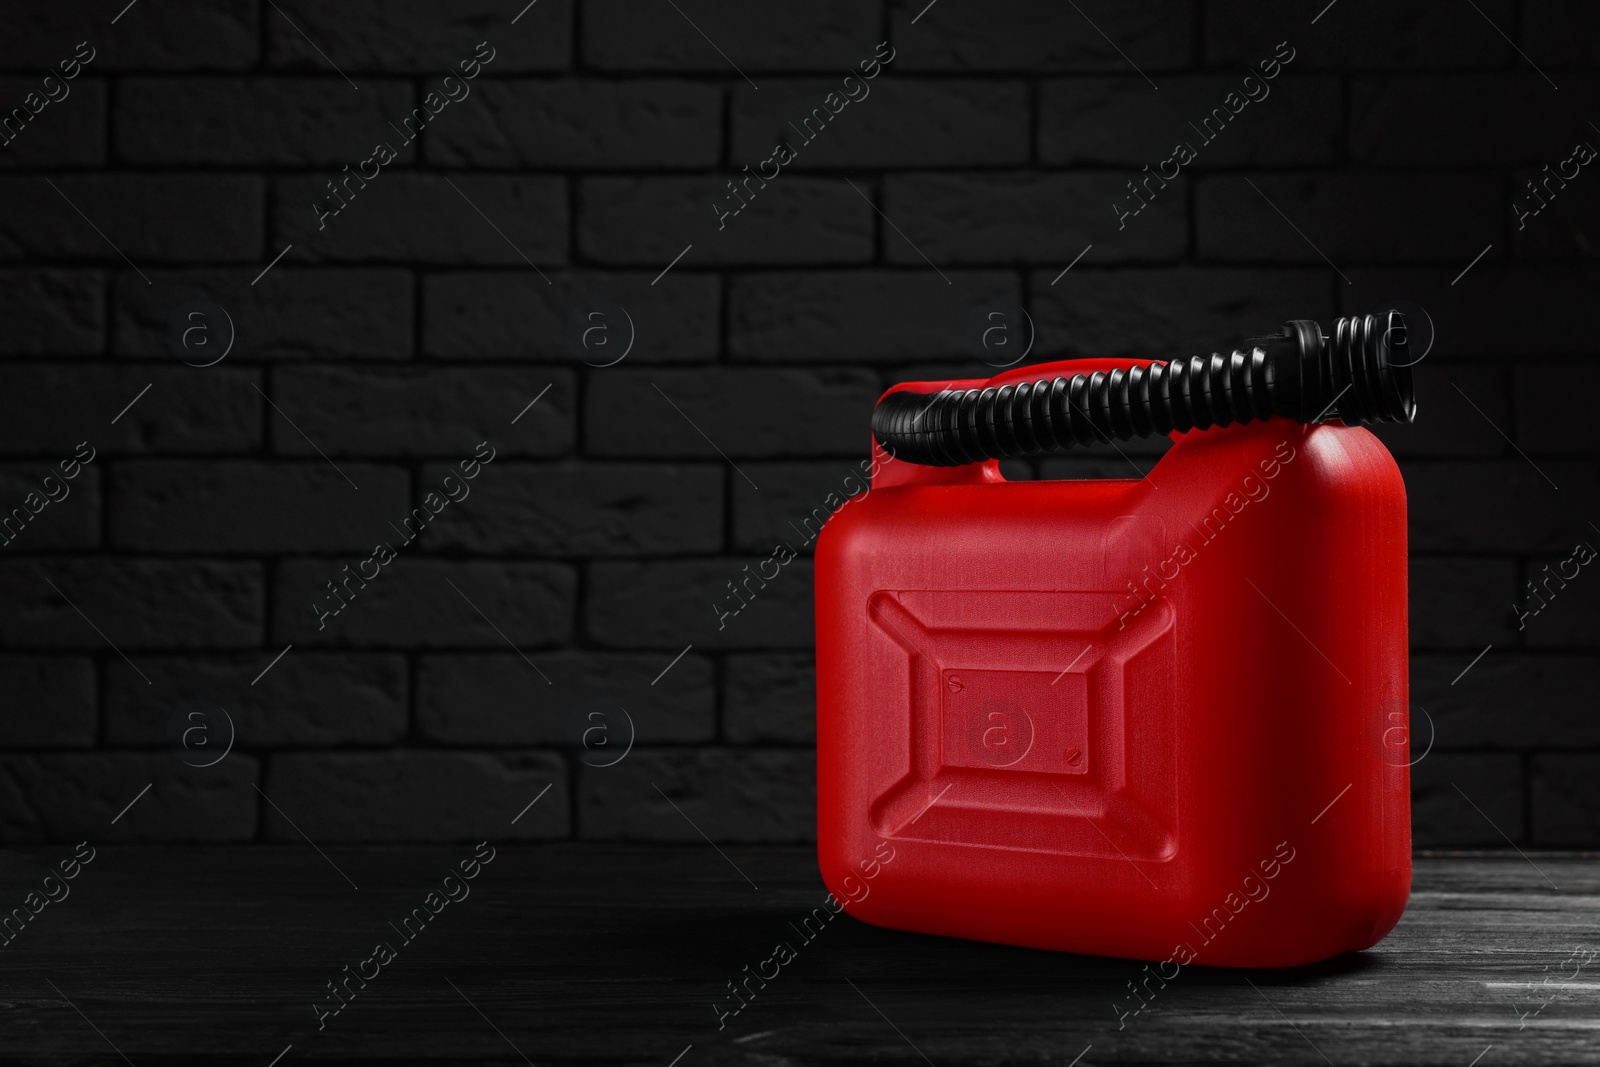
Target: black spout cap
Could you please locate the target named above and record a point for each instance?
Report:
(1360, 374)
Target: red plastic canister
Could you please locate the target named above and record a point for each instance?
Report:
(1163, 718)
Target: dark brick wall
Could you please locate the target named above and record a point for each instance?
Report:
(373, 356)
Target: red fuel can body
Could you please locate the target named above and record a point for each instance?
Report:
(1163, 718)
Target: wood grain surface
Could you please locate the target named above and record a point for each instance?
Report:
(620, 954)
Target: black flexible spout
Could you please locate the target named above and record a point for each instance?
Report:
(1359, 374)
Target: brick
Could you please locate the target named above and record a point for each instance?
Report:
(861, 315)
(1446, 425)
(1441, 817)
(135, 603)
(655, 414)
(793, 220)
(306, 700)
(45, 412)
(1100, 461)
(785, 36)
(1461, 602)
(660, 604)
(1346, 218)
(1560, 33)
(411, 603)
(69, 508)
(1550, 414)
(1170, 312)
(416, 37)
(794, 502)
(1440, 120)
(220, 36)
(52, 312)
(1550, 695)
(509, 220)
(74, 797)
(516, 315)
(1130, 459)
(1018, 469)
(416, 796)
(270, 122)
(50, 701)
(592, 509)
(302, 313)
(1026, 217)
(69, 131)
(1567, 222)
(1024, 35)
(770, 700)
(484, 699)
(728, 795)
(428, 411)
(1565, 812)
(887, 122)
(1119, 121)
(1471, 312)
(169, 506)
(1570, 615)
(1505, 506)
(638, 124)
(1365, 35)
(149, 217)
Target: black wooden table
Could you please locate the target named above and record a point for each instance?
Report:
(623, 954)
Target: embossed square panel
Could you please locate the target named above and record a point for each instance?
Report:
(1080, 758)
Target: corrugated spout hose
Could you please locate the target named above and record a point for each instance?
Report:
(1360, 373)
